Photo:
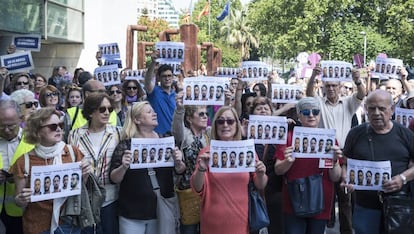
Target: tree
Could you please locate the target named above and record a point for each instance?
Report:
(155, 26)
(239, 34)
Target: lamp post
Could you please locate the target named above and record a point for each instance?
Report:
(365, 47)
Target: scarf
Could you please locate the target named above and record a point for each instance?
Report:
(55, 152)
(131, 99)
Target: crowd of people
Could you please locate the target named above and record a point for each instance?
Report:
(67, 119)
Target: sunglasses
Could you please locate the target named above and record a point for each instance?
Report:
(307, 112)
(202, 114)
(104, 108)
(54, 127)
(228, 121)
(30, 104)
(132, 88)
(51, 94)
(22, 83)
(112, 92)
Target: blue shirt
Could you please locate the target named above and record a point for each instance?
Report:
(164, 105)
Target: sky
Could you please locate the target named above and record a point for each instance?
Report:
(183, 4)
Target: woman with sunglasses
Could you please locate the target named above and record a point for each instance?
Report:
(44, 130)
(191, 134)
(49, 96)
(137, 200)
(20, 81)
(133, 91)
(120, 104)
(26, 103)
(224, 207)
(97, 141)
(308, 110)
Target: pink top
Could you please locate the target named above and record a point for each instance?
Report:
(224, 202)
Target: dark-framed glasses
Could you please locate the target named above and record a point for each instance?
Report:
(102, 109)
(53, 127)
(51, 94)
(112, 92)
(30, 104)
(307, 112)
(228, 121)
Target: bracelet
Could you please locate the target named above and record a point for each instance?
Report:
(202, 169)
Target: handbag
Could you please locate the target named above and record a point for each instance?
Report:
(398, 213)
(189, 206)
(306, 195)
(258, 217)
(167, 209)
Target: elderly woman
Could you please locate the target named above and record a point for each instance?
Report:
(120, 104)
(137, 207)
(44, 130)
(49, 96)
(26, 102)
(308, 110)
(273, 190)
(224, 207)
(191, 134)
(97, 141)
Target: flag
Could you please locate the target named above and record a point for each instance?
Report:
(205, 11)
(225, 12)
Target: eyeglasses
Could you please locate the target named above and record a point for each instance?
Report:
(54, 127)
(112, 92)
(132, 88)
(51, 94)
(202, 114)
(103, 109)
(307, 112)
(22, 83)
(228, 121)
(10, 127)
(30, 104)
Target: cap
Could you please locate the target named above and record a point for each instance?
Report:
(307, 103)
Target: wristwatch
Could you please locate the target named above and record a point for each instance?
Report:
(403, 178)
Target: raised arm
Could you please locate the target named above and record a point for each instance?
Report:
(177, 128)
(310, 89)
(361, 91)
(148, 83)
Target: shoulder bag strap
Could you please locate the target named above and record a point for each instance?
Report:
(75, 117)
(71, 152)
(26, 163)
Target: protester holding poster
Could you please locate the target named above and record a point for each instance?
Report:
(308, 110)
(97, 141)
(43, 129)
(382, 139)
(224, 194)
(191, 134)
(137, 206)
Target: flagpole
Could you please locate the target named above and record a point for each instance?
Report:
(209, 20)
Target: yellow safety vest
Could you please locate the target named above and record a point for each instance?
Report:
(81, 121)
(22, 148)
(7, 192)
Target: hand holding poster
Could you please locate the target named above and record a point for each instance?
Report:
(232, 156)
(110, 54)
(313, 142)
(204, 90)
(404, 116)
(54, 181)
(267, 129)
(386, 68)
(367, 175)
(152, 152)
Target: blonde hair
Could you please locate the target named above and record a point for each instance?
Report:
(220, 111)
(35, 122)
(130, 129)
